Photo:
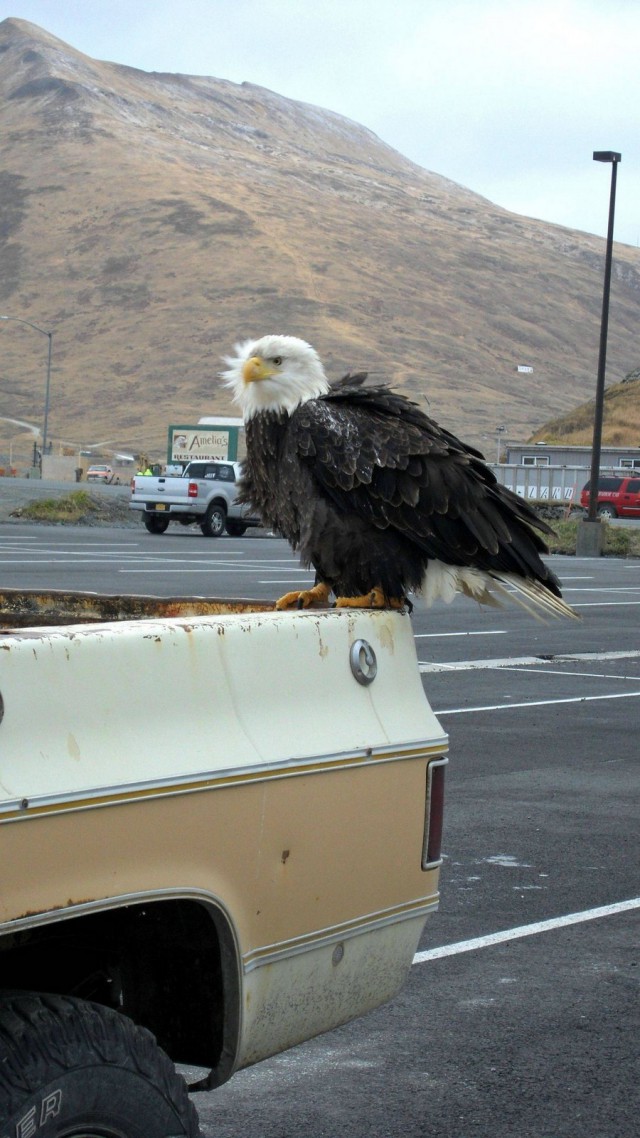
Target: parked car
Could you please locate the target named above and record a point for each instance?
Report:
(618, 496)
(101, 474)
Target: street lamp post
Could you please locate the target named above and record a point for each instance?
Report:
(47, 389)
(590, 537)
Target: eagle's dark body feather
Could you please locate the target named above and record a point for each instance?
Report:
(370, 489)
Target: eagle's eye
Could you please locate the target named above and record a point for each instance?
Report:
(277, 360)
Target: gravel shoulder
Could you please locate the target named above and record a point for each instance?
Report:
(110, 504)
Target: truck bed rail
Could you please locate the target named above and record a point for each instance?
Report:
(23, 608)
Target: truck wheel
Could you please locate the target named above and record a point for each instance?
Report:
(154, 524)
(214, 521)
(607, 511)
(70, 1067)
(235, 529)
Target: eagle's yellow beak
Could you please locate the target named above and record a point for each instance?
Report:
(256, 368)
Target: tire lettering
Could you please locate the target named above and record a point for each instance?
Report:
(50, 1106)
(27, 1125)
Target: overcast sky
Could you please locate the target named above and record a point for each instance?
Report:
(507, 97)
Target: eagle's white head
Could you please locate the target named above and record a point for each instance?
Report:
(275, 373)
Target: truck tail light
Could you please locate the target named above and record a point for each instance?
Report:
(433, 817)
(192, 491)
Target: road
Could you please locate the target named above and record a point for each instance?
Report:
(529, 1037)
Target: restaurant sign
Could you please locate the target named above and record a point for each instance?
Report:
(204, 444)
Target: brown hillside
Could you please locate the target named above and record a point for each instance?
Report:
(620, 419)
(151, 220)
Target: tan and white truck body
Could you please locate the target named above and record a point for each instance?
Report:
(227, 809)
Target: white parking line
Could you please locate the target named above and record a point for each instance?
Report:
(443, 635)
(570, 559)
(600, 589)
(527, 930)
(529, 661)
(574, 675)
(74, 564)
(303, 584)
(211, 569)
(601, 604)
(71, 548)
(536, 703)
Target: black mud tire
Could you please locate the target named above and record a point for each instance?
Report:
(155, 524)
(70, 1067)
(215, 520)
(236, 529)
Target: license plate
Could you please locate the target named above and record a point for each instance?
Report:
(161, 505)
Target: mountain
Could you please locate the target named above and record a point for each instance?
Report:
(620, 418)
(152, 220)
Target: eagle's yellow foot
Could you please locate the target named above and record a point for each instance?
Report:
(375, 599)
(318, 595)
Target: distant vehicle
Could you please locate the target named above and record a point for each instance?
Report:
(101, 474)
(618, 496)
(205, 493)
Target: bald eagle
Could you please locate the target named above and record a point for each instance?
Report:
(377, 497)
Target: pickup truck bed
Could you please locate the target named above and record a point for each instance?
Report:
(220, 820)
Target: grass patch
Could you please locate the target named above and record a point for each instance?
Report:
(73, 508)
(618, 542)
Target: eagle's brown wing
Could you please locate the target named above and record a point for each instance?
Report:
(375, 454)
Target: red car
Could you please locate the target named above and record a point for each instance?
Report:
(618, 496)
(101, 473)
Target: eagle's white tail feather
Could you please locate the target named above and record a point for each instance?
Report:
(443, 582)
(534, 597)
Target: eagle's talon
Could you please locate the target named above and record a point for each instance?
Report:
(287, 601)
(305, 598)
(376, 598)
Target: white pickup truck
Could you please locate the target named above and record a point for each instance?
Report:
(205, 493)
(220, 835)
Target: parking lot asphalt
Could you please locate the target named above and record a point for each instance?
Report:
(525, 1034)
